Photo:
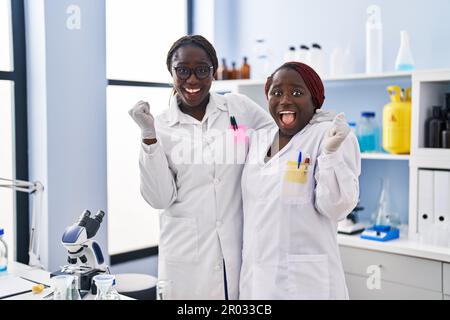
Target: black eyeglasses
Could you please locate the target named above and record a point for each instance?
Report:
(201, 72)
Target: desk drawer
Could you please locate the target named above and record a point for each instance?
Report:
(446, 278)
(410, 271)
(357, 289)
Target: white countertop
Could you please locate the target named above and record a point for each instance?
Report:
(38, 276)
(403, 246)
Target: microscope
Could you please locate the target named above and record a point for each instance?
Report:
(85, 256)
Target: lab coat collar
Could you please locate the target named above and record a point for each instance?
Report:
(175, 115)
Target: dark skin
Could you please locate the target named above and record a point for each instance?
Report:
(192, 104)
(192, 56)
(289, 94)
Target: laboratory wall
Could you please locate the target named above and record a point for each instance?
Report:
(336, 24)
(67, 117)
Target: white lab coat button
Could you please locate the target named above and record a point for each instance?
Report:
(216, 181)
(218, 267)
(218, 223)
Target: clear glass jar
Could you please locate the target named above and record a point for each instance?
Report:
(368, 132)
(105, 287)
(163, 289)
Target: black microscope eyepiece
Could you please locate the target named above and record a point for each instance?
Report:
(99, 216)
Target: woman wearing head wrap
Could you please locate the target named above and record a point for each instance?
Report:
(298, 182)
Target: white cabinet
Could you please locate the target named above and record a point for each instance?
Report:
(429, 167)
(397, 276)
(446, 273)
(357, 286)
(410, 271)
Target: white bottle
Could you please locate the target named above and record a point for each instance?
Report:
(405, 60)
(290, 55)
(337, 62)
(302, 54)
(316, 59)
(262, 63)
(374, 40)
(349, 61)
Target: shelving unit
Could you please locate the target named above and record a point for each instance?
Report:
(364, 91)
(384, 156)
(412, 268)
(429, 88)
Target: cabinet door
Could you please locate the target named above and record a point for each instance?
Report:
(446, 281)
(406, 270)
(358, 290)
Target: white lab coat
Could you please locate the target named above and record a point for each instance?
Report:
(186, 174)
(290, 248)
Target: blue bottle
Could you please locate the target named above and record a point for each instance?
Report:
(3, 254)
(368, 132)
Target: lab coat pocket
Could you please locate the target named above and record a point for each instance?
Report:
(178, 239)
(236, 147)
(308, 277)
(295, 186)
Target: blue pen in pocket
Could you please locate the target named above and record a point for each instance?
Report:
(299, 160)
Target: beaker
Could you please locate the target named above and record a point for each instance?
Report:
(385, 215)
(163, 289)
(105, 288)
(62, 287)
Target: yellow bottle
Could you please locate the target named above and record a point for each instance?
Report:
(397, 121)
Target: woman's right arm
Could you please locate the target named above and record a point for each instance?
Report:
(157, 180)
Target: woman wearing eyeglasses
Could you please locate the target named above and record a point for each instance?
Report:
(191, 163)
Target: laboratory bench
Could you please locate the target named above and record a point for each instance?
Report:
(397, 269)
(16, 269)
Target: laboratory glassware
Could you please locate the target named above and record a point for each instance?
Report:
(368, 132)
(3, 253)
(105, 287)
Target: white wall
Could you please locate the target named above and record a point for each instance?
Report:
(67, 119)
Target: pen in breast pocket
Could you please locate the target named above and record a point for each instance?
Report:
(299, 160)
(233, 123)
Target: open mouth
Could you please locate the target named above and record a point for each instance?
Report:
(287, 118)
(192, 93)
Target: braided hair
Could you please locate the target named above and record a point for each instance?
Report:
(195, 40)
(311, 78)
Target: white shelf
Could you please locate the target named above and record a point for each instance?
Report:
(355, 76)
(365, 76)
(403, 246)
(384, 156)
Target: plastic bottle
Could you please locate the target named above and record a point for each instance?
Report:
(374, 40)
(397, 122)
(105, 287)
(302, 54)
(368, 132)
(433, 129)
(3, 254)
(262, 61)
(245, 70)
(353, 127)
(290, 55)
(349, 61)
(337, 62)
(404, 61)
(316, 59)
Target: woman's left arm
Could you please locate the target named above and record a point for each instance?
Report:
(337, 185)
